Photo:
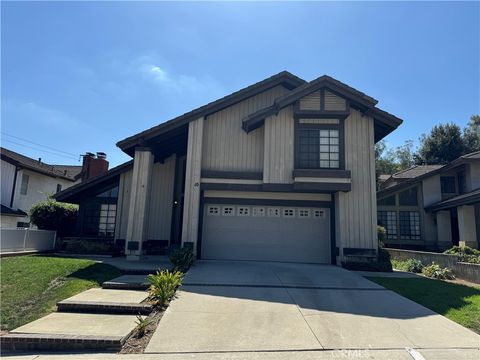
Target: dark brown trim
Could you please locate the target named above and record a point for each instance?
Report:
(266, 202)
(231, 187)
(328, 173)
(244, 175)
(143, 148)
(14, 185)
(333, 233)
(327, 187)
(323, 114)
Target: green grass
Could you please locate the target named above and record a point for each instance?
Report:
(459, 303)
(32, 285)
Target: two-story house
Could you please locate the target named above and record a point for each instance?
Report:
(282, 170)
(26, 181)
(432, 206)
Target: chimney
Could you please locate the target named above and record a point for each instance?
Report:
(94, 165)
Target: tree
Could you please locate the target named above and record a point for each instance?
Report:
(443, 145)
(471, 134)
(405, 155)
(390, 161)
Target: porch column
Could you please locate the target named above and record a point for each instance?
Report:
(466, 226)
(191, 207)
(138, 208)
(444, 230)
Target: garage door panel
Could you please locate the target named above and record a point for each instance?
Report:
(267, 238)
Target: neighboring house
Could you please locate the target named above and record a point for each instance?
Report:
(26, 181)
(282, 170)
(432, 206)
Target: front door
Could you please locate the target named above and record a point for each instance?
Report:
(178, 195)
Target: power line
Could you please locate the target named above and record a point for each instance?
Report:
(41, 150)
(34, 143)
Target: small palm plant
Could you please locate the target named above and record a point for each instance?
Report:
(163, 285)
(142, 324)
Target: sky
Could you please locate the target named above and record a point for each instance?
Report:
(79, 77)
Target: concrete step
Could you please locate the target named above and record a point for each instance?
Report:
(127, 282)
(107, 301)
(71, 331)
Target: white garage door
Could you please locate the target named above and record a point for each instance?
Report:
(266, 233)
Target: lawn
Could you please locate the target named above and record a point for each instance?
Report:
(32, 285)
(459, 303)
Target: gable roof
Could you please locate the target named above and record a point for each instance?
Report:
(415, 171)
(66, 172)
(384, 122)
(283, 78)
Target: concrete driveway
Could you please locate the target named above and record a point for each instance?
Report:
(253, 306)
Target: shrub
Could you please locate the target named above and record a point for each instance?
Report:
(437, 272)
(142, 324)
(89, 247)
(382, 263)
(51, 214)
(381, 235)
(465, 254)
(182, 259)
(411, 265)
(163, 285)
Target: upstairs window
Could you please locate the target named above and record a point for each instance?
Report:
(388, 201)
(24, 185)
(318, 148)
(447, 184)
(462, 182)
(408, 197)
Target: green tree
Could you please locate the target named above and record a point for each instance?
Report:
(385, 162)
(405, 155)
(443, 145)
(471, 134)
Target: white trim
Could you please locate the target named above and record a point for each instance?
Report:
(266, 195)
(323, 180)
(231, 181)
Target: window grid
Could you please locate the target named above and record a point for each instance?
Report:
(273, 212)
(319, 148)
(288, 212)
(409, 225)
(303, 213)
(258, 211)
(228, 211)
(243, 211)
(213, 210)
(318, 214)
(388, 219)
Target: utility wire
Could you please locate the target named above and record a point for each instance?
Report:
(42, 150)
(34, 143)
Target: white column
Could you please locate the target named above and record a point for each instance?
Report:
(191, 207)
(444, 230)
(466, 226)
(138, 208)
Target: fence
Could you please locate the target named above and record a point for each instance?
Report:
(20, 240)
(465, 271)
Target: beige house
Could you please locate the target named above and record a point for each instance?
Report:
(282, 170)
(432, 206)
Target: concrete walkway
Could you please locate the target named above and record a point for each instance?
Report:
(250, 306)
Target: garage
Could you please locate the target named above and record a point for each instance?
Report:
(266, 233)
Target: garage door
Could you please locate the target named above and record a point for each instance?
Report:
(266, 233)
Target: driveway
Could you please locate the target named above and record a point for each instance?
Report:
(228, 306)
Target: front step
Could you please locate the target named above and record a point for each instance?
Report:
(104, 307)
(53, 342)
(127, 282)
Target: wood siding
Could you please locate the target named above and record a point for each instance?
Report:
(161, 200)
(356, 210)
(311, 101)
(226, 147)
(279, 147)
(123, 203)
(334, 102)
(8, 175)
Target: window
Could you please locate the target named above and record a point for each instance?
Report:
(258, 211)
(388, 219)
(288, 212)
(318, 148)
(447, 184)
(408, 197)
(387, 201)
(273, 212)
(462, 182)
(59, 188)
(113, 193)
(24, 185)
(213, 210)
(303, 213)
(23, 224)
(99, 219)
(228, 211)
(243, 211)
(409, 225)
(318, 214)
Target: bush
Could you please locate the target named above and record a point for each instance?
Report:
(163, 285)
(411, 265)
(182, 259)
(465, 254)
(51, 214)
(437, 272)
(381, 235)
(142, 324)
(88, 247)
(382, 263)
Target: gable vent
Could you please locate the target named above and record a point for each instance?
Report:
(311, 101)
(334, 102)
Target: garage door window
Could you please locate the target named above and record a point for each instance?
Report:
(273, 212)
(243, 211)
(288, 212)
(228, 211)
(318, 214)
(258, 211)
(213, 210)
(303, 213)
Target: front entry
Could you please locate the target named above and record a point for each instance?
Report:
(266, 233)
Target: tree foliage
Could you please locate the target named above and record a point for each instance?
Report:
(443, 145)
(389, 161)
(51, 214)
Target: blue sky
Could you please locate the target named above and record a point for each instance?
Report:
(82, 76)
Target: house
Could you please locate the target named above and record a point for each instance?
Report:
(26, 181)
(282, 170)
(432, 206)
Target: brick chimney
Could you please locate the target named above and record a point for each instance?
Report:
(94, 165)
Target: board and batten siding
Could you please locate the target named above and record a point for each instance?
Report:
(161, 200)
(226, 147)
(279, 147)
(159, 215)
(356, 210)
(7, 177)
